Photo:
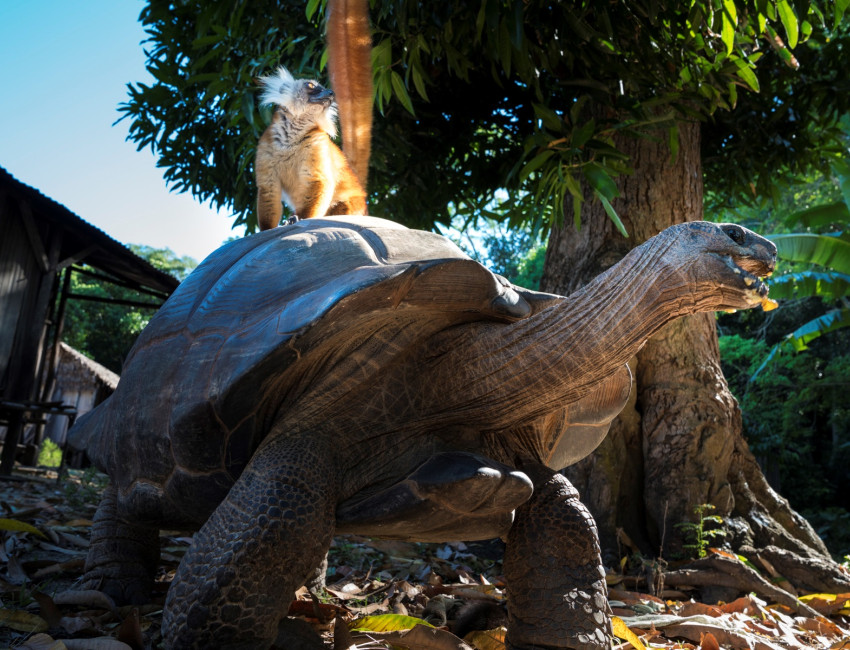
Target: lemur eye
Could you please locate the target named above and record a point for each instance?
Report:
(735, 234)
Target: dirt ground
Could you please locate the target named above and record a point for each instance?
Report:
(380, 594)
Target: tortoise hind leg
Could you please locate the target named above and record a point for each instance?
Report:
(557, 596)
(236, 581)
(122, 557)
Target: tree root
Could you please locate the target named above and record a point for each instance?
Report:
(813, 574)
(717, 570)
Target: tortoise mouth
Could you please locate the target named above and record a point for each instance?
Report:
(752, 273)
(752, 279)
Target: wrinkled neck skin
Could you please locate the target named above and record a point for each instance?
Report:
(504, 375)
(474, 382)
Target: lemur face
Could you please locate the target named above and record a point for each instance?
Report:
(300, 99)
(316, 93)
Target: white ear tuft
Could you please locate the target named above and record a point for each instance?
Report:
(277, 88)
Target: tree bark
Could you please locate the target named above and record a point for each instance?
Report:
(678, 443)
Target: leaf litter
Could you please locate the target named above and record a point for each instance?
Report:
(380, 594)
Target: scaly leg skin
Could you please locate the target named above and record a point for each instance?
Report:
(256, 549)
(122, 557)
(557, 596)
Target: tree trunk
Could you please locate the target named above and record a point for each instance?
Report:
(678, 442)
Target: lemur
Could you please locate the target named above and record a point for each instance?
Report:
(297, 160)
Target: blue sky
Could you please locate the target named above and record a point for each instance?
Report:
(64, 67)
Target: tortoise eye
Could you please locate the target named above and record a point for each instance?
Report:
(735, 234)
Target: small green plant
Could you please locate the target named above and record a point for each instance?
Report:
(84, 488)
(699, 530)
(50, 454)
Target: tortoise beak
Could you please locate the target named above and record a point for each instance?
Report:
(755, 261)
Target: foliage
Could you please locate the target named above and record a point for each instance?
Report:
(793, 404)
(775, 138)
(50, 454)
(797, 423)
(517, 253)
(106, 331)
(103, 331)
(530, 268)
(480, 97)
(816, 262)
(166, 260)
(83, 488)
(701, 531)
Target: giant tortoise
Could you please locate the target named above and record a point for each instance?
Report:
(350, 375)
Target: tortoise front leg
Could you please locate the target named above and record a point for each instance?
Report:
(557, 596)
(122, 557)
(261, 543)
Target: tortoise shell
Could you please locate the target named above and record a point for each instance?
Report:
(203, 384)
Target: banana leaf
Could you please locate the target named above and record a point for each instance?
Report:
(824, 250)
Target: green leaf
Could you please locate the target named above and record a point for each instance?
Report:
(387, 623)
(535, 163)
(839, 9)
(419, 83)
(382, 54)
(789, 21)
(841, 170)
(728, 25)
(829, 285)
(248, 107)
(733, 94)
(824, 250)
(829, 322)
(401, 92)
(673, 142)
(505, 48)
(746, 74)
(573, 186)
(583, 133)
(821, 215)
(600, 181)
(579, 103)
(13, 525)
(746, 561)
(612, 213)
(312, 5)
(549, 117)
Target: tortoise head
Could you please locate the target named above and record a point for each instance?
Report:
(723, 264)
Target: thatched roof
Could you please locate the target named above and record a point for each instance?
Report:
(76, 369)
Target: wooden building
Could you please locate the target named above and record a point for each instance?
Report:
(41, 244)
(80, 384)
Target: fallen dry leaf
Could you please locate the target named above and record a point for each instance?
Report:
(487, 639)
(42, 641)
(18, 619)
(99, 643)
(420, 637)
(708, 642)
(86, 597)
(622, 631)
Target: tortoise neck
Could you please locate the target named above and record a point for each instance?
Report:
(560, 353)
